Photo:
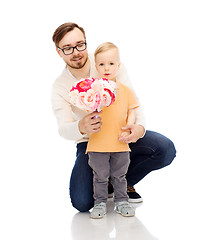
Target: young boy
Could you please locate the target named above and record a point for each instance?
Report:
(108, 157)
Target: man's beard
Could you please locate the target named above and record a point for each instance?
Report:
(78, 65)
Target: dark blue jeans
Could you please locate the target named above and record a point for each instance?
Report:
(152, 152)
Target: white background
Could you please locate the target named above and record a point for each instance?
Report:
(163, 45)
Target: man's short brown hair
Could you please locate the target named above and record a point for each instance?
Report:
(63, 29)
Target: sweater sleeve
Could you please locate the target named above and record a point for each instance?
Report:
(67, 125)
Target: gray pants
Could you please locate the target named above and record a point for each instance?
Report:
(105, 165)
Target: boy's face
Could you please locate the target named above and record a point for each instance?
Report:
(107, 64)
(77, 59)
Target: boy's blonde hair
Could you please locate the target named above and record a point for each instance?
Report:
(105, 47)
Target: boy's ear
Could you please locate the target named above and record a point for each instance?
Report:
(119, 65)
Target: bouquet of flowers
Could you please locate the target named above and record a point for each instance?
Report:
(93, 94)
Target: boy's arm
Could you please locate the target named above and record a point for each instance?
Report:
(131, 119)
(123, 77)
(131, 116)
(135, 126)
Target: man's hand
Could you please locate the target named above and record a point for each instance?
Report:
(91, 123)
(136, 132)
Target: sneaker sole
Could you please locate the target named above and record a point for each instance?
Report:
(135, 200)
(125, 215)
(98, 217)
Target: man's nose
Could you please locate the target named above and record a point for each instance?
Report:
(75, 51)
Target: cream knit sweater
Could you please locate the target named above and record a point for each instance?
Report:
(67, 115)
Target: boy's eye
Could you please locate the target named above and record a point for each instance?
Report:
(101, 64)
(111, 63)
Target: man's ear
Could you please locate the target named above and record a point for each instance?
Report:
(58, 51)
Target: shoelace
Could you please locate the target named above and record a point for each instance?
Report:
(125, 205)
(99, 207)
(125, 208)
(130, 189)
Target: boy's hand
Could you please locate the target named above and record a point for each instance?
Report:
(125, 133)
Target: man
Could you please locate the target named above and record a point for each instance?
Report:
(149, 150)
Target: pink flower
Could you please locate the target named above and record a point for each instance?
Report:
(84, 85)
(81, 100)
(93, 94)
(112, 95)
(92, 100)
(106, 99)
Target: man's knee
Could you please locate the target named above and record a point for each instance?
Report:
(167, 153)
(82, 206)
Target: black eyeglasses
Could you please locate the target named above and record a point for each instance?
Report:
(69, 50)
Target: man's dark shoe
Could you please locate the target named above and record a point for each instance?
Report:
(134, 197)
(110, 190)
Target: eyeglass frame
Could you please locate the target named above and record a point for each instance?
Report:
(75, 47)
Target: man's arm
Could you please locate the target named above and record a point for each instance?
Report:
(68, 127)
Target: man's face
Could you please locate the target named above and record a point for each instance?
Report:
(77, 59)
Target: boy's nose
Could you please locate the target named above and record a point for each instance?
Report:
(106, 67)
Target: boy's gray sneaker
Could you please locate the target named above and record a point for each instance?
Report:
(125, 209)
(99, 210)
